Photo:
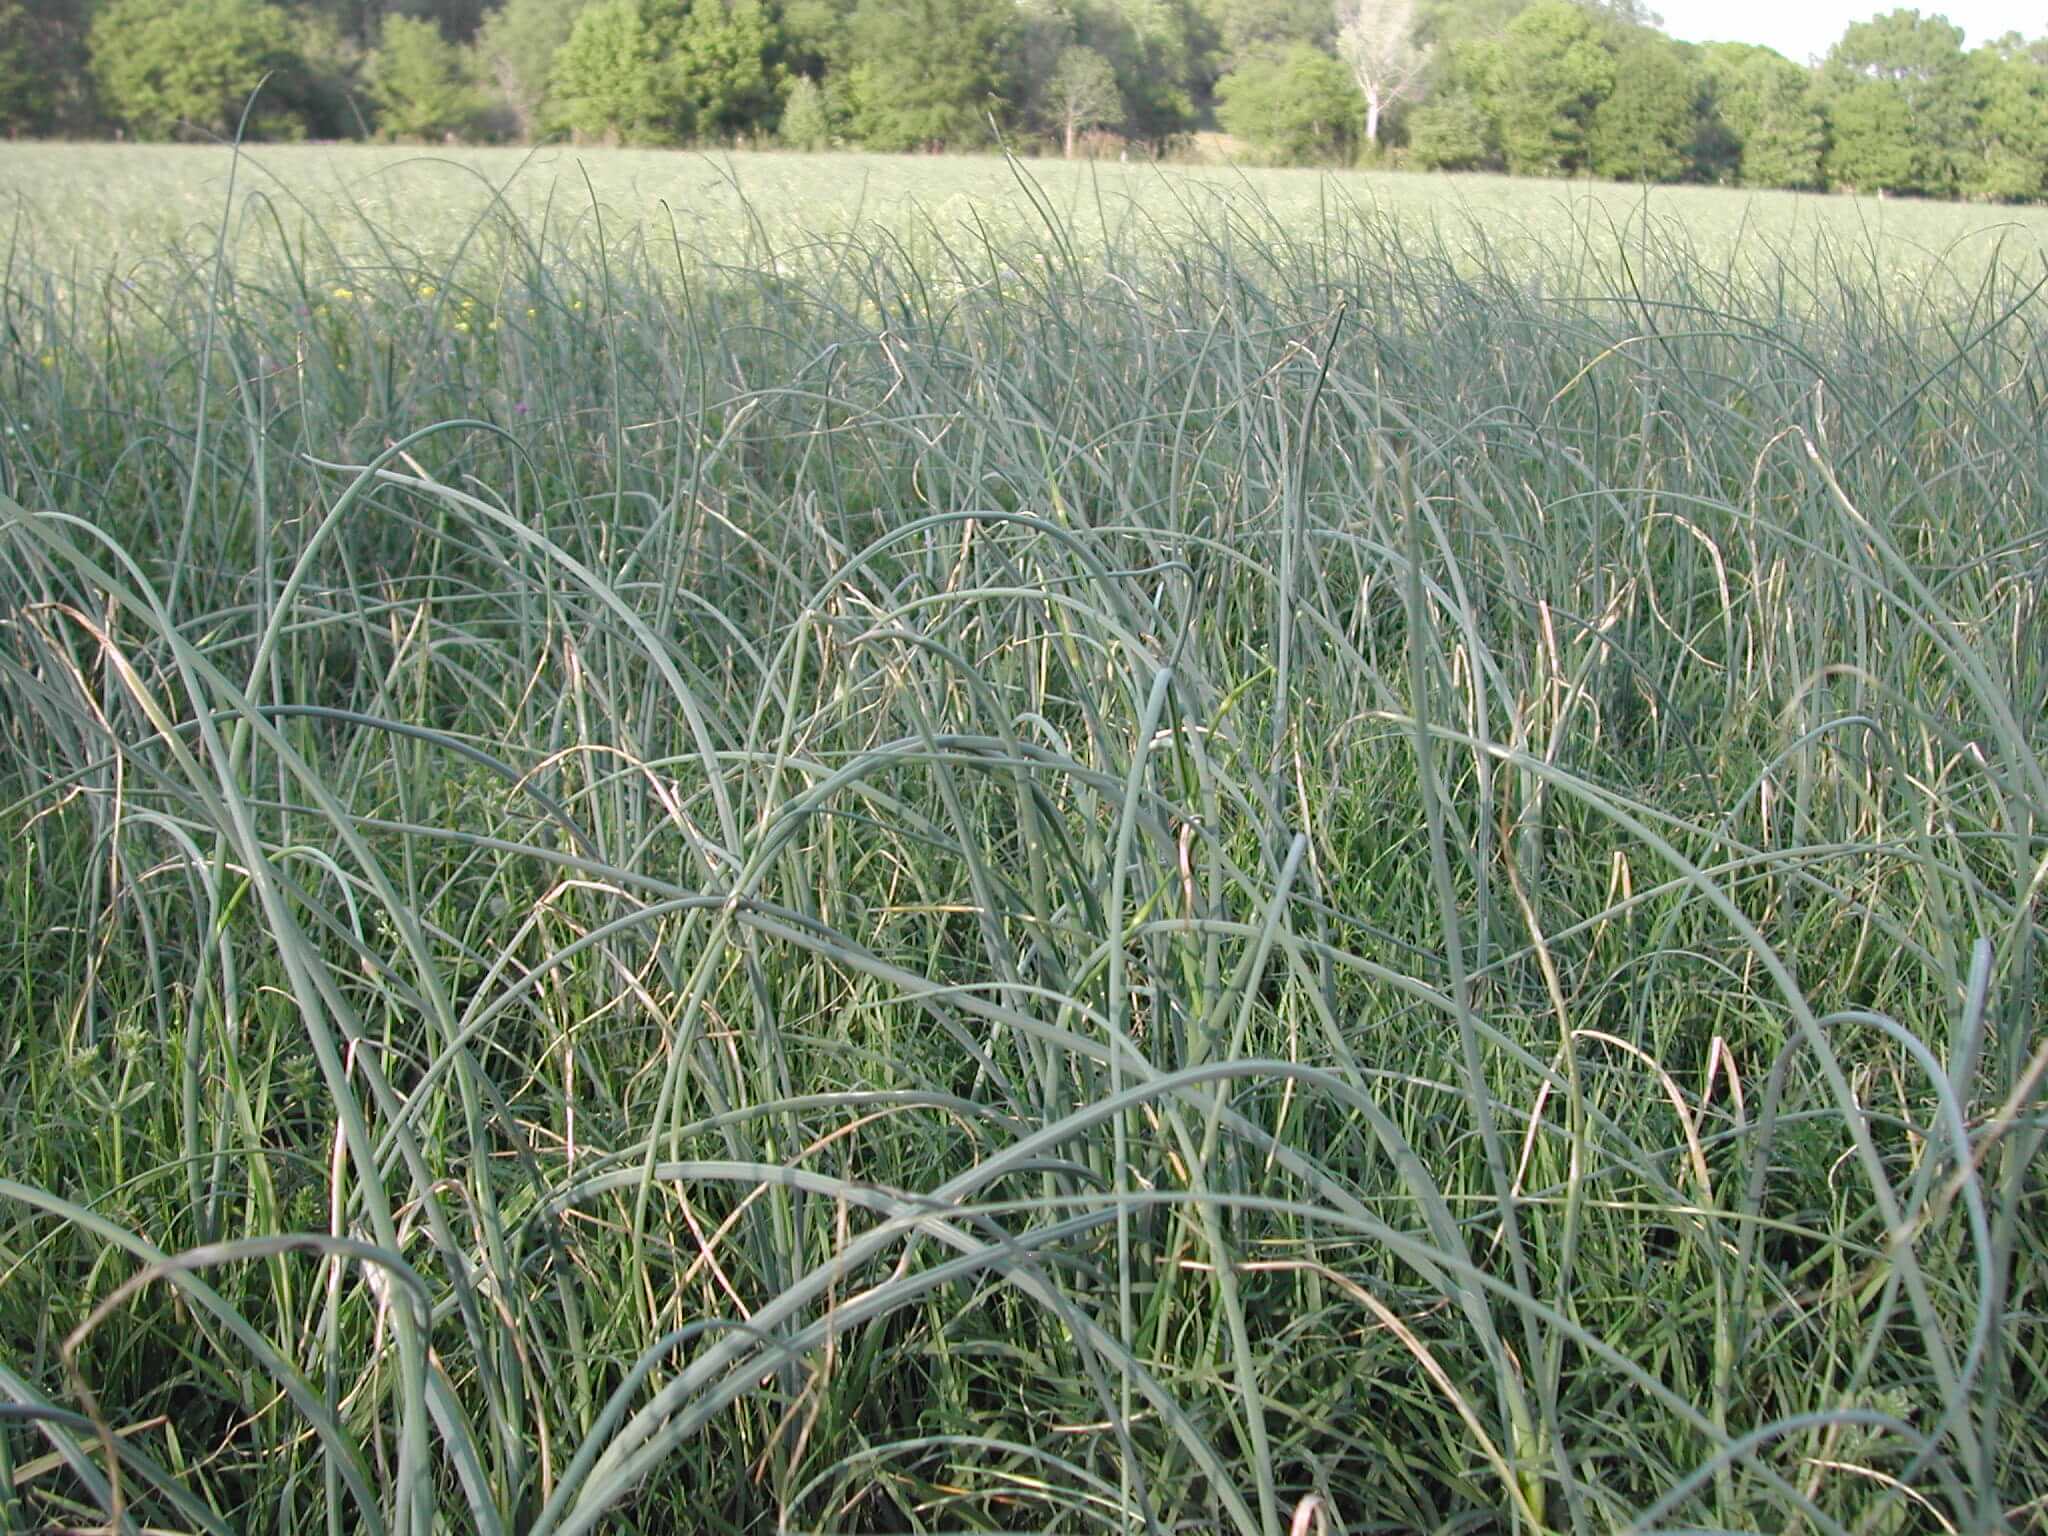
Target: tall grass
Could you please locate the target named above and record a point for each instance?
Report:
(1281, 880)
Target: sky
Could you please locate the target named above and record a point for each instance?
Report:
(1797, 28)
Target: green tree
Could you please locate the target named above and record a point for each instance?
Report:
(1301, 107)
(166, 64)
(517, 48)
(1043, 30)
(2006, 159)
(459, 20)
(1629, 15)
(418, 81)
(1786, 148)
(817, 43)
(817, 39)
(1450, 132)
(1455, 128)
(361, 22)
(1377, 39)
(24, 94)
(1156, 48)
(1897, 99)
(1549, 71)
(1081, 94)
(1764, 105)
(719, 70)
(605, 82)
(926, 72)
(355, 22)
(805, 122)
(1645, 127)
(1448, 23)
(330, 89)
(1873, 147)
(1253, 29)
(1459, 35)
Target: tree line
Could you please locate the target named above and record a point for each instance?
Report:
(1529, 87)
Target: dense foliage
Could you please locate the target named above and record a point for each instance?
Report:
(1531, 87)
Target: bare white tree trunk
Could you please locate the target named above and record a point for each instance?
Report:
(1083, 94)
(1377, 39)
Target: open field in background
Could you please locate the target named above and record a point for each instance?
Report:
(1104, 853)
(89, 208)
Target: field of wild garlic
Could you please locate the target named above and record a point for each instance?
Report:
(840, 845)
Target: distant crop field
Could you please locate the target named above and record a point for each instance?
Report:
(856, 845)
(103, 205)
